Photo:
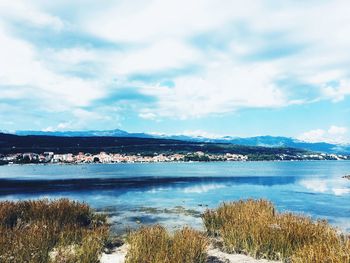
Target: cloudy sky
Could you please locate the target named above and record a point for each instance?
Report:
(195, 67)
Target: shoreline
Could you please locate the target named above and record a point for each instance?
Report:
(214, 255)
(162, 157)
(168, 162)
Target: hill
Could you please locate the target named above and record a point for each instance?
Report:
(10, 143)
(264, 141)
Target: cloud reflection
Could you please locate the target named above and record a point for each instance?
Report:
(337, 187)
(203, 188)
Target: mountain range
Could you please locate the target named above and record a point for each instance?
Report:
(265, 141)
(16, 144)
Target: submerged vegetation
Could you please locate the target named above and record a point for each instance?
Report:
(254, 227)
(51, 231)
(155, 244)
(346, 176)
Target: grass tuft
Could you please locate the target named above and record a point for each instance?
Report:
(51, 231)
(254, 227)
(323, 252)
(154, 244)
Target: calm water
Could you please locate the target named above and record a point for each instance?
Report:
(176, 193)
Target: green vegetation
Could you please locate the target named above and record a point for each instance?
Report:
(196, 158)
(51, 231)
(155, 244)
(265, 157)
(254, 227)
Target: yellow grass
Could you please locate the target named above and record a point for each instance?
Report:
(253, 227)
(155, 244)
(64, 231)
(323, 252)
(44, 231)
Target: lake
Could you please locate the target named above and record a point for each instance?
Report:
(175, 194)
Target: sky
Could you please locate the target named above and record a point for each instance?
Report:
(199, 67)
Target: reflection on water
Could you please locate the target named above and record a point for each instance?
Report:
(176, 193)
(120, 185)
(336, 186)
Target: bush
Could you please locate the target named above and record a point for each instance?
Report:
(155, 244)
(323, 252)
(56, 231)
(253, 227)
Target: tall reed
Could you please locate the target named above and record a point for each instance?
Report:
(254, 227)
(154, 244)
(323, 252)
(50, 231)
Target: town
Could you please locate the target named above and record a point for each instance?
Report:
(103, 157)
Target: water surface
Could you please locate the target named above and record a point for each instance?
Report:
(174, 194)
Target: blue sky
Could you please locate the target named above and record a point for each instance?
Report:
(200, 67)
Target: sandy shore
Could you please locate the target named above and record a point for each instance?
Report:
(217, 256)
(214, 256)
(117, 256)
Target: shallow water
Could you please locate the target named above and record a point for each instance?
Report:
(176, 193)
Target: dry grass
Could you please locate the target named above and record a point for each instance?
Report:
(44, 231)
(253, 227)
(155, 244)
(65, 231)
(323, 252)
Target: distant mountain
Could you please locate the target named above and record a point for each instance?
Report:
(274, 141)
(91, 133)
(263, 141)
(10, 143)
(271, 141)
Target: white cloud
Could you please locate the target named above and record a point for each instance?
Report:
(160, 56)
(233, 47)
(147, 115)
(317, 135)
(24, 74)
(221, 89)
(27, 12)
(73, 55)
(200, 133)
(335, 134)
(336, 130)
(160, 42)
(150, 21)
(338, 92)
(60, 127)
(89, 115)
(80, 118)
